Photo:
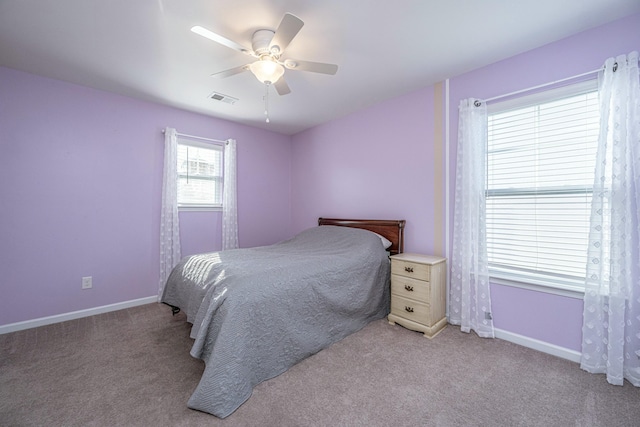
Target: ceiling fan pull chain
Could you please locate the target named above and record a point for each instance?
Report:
(266, 100)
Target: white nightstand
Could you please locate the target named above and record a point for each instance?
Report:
(418, 293)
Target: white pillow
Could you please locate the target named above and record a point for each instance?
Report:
(385, 242)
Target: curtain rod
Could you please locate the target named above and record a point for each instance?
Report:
(477, 103)
(184, 135)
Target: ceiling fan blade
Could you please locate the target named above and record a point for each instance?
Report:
(316, 67)
(222, 40)
(231, 71)
(287, 30)
(282, 87)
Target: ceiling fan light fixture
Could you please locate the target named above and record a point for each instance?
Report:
(267, 70)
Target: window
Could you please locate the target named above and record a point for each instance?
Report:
(199, 174)
(540, 167)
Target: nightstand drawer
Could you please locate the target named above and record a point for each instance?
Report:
(410, 288)
(411, 269)
(409, 309)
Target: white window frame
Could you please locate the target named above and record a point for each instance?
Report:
(218, 178)
(569, 287)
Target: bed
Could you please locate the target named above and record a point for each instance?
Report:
(258, 311)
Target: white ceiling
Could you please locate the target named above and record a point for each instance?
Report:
(145, 49)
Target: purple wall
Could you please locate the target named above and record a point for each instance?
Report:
(376, 163)
(549, 318)
(80, 185)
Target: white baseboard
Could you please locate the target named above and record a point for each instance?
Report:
(542, 346)
(27, 324)
(522, 340)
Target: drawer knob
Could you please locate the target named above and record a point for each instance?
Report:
(408, 269)
(408, 309)
(408, 288)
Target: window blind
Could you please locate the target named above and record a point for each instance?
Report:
(540, 169)
(199, 174)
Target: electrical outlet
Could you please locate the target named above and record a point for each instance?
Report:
(87, 282)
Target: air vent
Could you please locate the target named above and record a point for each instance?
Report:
(223, 98)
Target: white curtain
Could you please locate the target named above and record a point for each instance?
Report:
(470, 299)
(169, 224)
(611, 322)
(229, 198)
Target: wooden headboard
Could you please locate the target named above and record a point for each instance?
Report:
(393, 230)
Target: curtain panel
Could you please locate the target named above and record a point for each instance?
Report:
(230, 198)
(611, 321)
(169, 222)
(470, 299)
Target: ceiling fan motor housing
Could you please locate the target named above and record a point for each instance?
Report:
(260, 42)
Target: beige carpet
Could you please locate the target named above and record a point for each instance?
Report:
(132, 368)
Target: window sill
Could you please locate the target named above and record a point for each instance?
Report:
(571, 289)
(199, 208)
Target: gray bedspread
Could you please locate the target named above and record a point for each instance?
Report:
(256, 312)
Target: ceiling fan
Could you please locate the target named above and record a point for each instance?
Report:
(269, 46)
